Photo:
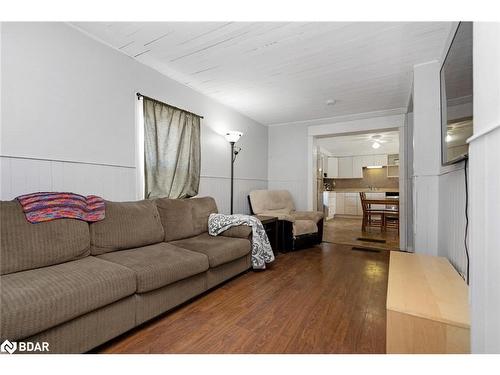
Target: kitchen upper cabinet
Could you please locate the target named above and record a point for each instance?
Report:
(352, 166)
(379, 160)
(333, 167)
(357, 166)
(345, 167)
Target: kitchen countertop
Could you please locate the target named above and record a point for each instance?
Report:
(364, 190)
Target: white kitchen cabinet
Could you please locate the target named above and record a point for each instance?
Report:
(359, 207)
(345, 167)
(379, 160)
(333, 167)
(367, 160)
(351, 204)
(339, 198)
(357, 166)
(332, 204)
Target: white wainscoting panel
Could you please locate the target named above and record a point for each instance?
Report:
(485, 242)
(23, 176)
(452, 219)
(220, 189)
(117, 183)
(426, 213)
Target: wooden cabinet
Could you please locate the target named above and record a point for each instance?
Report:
(427, 306)
(345, 167)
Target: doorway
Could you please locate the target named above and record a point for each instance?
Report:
(369, 162)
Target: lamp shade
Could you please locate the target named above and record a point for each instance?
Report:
(233, 136)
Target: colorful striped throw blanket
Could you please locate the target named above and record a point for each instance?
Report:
(40, 207)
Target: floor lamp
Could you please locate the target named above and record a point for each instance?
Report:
(232, 137)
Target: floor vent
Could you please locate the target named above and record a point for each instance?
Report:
(368, 249)
(370, 240)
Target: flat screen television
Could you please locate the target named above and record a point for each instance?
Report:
(456, 96)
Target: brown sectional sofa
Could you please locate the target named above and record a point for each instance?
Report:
(76, 285)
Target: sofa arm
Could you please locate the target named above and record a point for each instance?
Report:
(240, 231)
(315, 216)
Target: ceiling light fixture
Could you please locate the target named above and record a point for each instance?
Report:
(376, 145)
(331, 102)
(448, 138)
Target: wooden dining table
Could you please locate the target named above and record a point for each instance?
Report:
(388, 201)
(391, 206)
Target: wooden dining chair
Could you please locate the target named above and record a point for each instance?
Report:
(391, 217)
(371, 217)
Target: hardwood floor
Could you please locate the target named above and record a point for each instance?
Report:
(346, 231)
(326, 299)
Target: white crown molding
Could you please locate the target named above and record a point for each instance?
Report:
(345, 118)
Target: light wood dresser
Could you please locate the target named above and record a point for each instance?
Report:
(427, 306)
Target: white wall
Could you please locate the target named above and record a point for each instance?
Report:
(68, 98)
(484, 191)
(426, 156)
(288, 162)
(439, 191)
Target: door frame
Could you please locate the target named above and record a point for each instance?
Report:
(368, 125)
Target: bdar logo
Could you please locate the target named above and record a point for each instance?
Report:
(8, 347)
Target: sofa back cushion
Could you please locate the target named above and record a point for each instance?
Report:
(183, 218)
(270, 200)
(127, 225)
(26, 246)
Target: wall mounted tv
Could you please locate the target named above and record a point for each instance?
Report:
(456, 96)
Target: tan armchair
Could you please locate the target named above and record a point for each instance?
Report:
(297, 228)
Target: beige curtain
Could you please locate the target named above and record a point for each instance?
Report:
(171, 151)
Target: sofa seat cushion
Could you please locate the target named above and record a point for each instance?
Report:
(301, 227)
(159, 265)
(35, 300)
(218, 249)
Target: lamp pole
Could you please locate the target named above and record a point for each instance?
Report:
(232, 174)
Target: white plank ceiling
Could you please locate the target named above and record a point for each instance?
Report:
(361, 144)
(284, 72)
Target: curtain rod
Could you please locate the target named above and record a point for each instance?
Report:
(139, 96)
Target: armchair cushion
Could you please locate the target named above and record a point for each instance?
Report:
(271, 200)
(280, 214)
(308, 215)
